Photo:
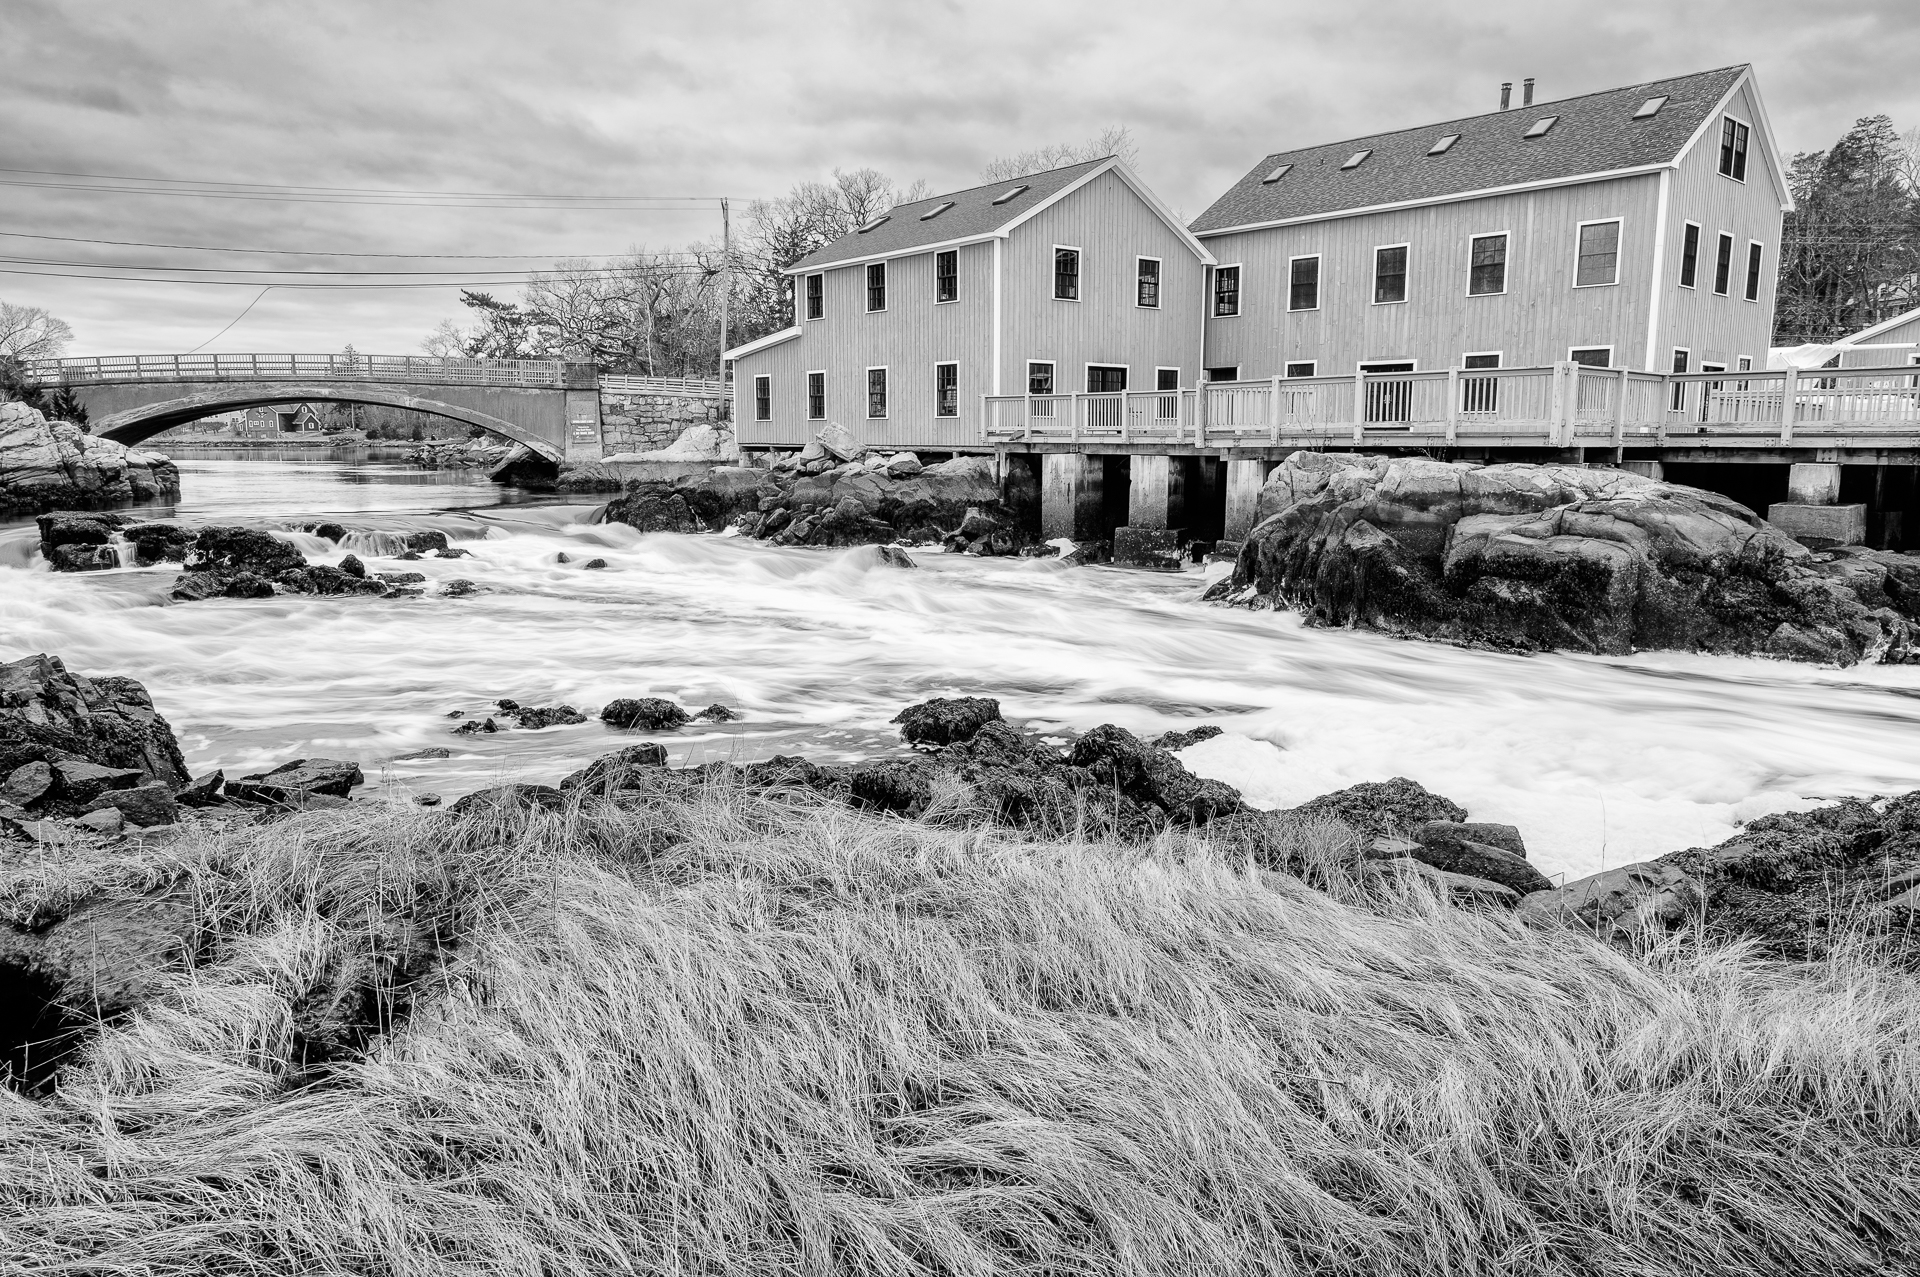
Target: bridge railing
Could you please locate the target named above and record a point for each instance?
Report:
(620, 384)
(98, 369)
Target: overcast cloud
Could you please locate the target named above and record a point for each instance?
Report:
(745, 99)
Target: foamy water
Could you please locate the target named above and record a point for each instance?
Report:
(1599, 761)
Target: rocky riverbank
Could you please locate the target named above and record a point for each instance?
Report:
(1533, 557)
(48, 465)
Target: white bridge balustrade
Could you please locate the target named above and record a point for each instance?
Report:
(409, 369)
(1556, 406)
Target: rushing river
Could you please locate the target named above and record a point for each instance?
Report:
(1599, 761)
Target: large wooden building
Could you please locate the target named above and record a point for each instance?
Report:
(1635, 228)
(1073, 280)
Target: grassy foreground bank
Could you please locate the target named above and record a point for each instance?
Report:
(734, 1035)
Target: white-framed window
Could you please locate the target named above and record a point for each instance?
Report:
(1389, 402)
(1597, 253)
(1303, 368)
(946, 389)
(1708, 389)
(876, 393)
(1756, 253)
(1487, 264)
(1744, 364)
(816, 296)
(1690, 255)
(1682, 360)
(1480, 394)
(1230, 372)
(1166, 379)
(1591, 356)
(1723, 265)
(1146, 287)
(1226, 291)
(763, 398)
(1040, 376)
(1066, 273)
(1389, 274)
(1166, 406)
(1303, 282)
(1103, 379)
(876, 287)
(817, 395)
(946, 276)
(1734, 136)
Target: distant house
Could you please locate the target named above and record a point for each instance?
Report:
(1891, 341)
(273, 419)
(1635, 228)
(1073, 280)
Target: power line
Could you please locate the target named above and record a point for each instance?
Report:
(236, 319)
(254, 283)
(243, 270)
(590, 204)
(320, 252)
(290, 187)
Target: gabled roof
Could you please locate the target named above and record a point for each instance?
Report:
(1591, 135)
(975, 216)
(1875, 330)
(761, 343)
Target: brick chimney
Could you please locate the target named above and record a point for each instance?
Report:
(1526, 91)
(1506, 94)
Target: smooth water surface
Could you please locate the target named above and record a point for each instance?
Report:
(1600, 761)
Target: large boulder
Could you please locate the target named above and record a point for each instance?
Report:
(945, 720)
(1382, 807)
(94, 734)
(48, 465)
(1561, 557)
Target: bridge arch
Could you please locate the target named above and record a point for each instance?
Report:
(133, 425)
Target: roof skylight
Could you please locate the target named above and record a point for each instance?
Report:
(1650, 108)
(935, 211)
(1011, 191)
(1444, 145)
(1541, 125)
(1357, 159)
(1276, 175)
(877, 222)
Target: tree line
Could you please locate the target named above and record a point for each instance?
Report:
(1850, 251)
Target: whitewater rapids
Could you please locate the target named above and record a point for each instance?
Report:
(1599, 761)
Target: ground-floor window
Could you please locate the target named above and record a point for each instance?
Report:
(1229, 373)
(1389, 401)
(1480, 394)
(1106, 378)
(1303, 368)
(876, 392)
(763, 398)
(816, 396)
(1681, 361)
(946, 390)
(1592, 356)
(1167, 381)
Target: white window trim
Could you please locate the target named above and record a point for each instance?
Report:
(1619, 250)
(1465, 355)
(886, 287)
(1504, 273)
(1053, 368)
(1208, 372)
(938, 364)
(1682, 254)
(1751, 134)
(866, 390)
(757, 379)
(1373, 277)
(1360, 365)
(1053, 272)
(1608, 349)
(1160, 280)
(810, 374)
(1091, 364)
(1311, 363)
(805, 280)
(1731, 240)
(1318, 279)
(955, 299)
(1760, 285)
(1157, 370)
(1239, 290)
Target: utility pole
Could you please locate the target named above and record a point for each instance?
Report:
(726, 283)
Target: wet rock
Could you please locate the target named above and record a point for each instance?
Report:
(192, 587)
(141, 805)
(535, 717)
(476, 727)
(594, 564)
(651, 507)
(402, 578)
(246, 585)
(50, 715)
(432, 751)
(352, 566)
(1373, 808)
(647, 714)
(458, 588)
(419, 541)
(76, 541)
(333, 532)
(427, 800)
(1180, 740)
(225, 550)
(946, 720)
(895, 557)
(621, 769)
(454, 552)
(717, 713)
(1151, 776)
(510, 798)
(204, 792)
(323, 580)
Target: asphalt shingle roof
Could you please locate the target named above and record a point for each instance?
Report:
(1594, 133)
(973, 213)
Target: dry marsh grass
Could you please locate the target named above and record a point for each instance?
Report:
(727, 1035)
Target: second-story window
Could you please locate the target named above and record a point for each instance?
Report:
(876, 286)
(1226, 290)
(1690, 256)
(1754, 252)
(1066, 274)
(1487, 269)
(816, 396)
(876, 392)
(763, 398)
(1599, 255)
(1723, 264)
(946, 276)
(946, 390)
(1390, 274)
(1148, 288)
(1733, 149)
(816, 296)
(1303, 283)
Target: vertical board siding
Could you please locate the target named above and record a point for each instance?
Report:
(1721, 329)
(1905, 335)
(1112, 227)
(1534, 322)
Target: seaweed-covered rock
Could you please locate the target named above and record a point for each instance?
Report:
(1374, 808)
(645, 713)
(946, 720)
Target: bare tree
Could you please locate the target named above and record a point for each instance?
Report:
(30, 332)
(1115, 139)
(782, 231)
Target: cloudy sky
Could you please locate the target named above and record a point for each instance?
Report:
(573, 98)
